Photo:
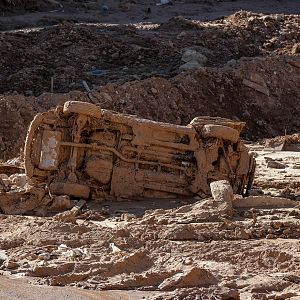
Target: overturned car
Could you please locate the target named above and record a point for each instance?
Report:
(86, 152)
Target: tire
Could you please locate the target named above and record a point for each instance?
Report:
(83, 108)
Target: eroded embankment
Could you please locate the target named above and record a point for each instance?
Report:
(264, 92)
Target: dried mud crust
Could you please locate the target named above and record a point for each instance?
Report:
(214, 92)
(71, 52)
(171, 251)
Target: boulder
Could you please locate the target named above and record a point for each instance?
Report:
(194, 277)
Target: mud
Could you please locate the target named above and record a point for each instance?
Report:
(175, 252)
(167, 63)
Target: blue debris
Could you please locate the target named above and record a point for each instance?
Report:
(97, 72)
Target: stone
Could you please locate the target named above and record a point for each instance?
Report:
(3, 176)
(11, 264)
(3, 256)
(193, 55)
(19, 180)
(296, 48)
(191, 65)
(153, 90)
(275, 165)
(194, 277)
(61, 203)
(193, 60)
(222, 193)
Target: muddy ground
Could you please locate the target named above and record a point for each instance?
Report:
(130, 54)
(171, 249)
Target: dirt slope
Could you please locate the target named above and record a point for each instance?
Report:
(222, 92)
(102, 54)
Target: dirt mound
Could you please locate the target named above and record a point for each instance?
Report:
(29, 5)
(100, 54)
(261, 92)
(279, 140)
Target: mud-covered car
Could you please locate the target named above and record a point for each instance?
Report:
(84, 151)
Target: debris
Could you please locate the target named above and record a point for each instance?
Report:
(96, 72)
(114, 248)
(89, 92)
(164, 2)
(285, 143)
(257, 87)
(104, 163)
(10, 264)
(70, 215)
(21, 201)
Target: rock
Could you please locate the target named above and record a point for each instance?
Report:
(105, 8)
(44, 256)
(231, 63)
(113, 248)
(10, 202)
(240, 233)
(3, 256)
(191, 65)
(153, 90)
(275, 165)
(19, 180)
(262, 201)
(11, 264)
(3, 176)
(194, 277)
(193, 60)
(70, 215)
(296, 48)
(61, 203)
(106, 97)
(115, 55)
(193, 55)
(255, 191)
(184, 232)
(222, 193)
(127, 217)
